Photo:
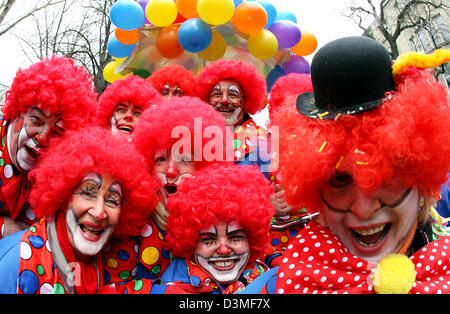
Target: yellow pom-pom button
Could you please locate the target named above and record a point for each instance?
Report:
(395, 274)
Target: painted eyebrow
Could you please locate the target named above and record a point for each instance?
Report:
(95, 177)
(235, 232)
(234, 88)
(40, 111)
(116, 188)
(209, 233)
(401, 199)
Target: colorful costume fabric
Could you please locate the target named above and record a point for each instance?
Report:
(443, 204)
(251, 146)
(28, 264)
(184, 276)
(145, 256)
(317, 262)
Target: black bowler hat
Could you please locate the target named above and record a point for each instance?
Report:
(349, 75)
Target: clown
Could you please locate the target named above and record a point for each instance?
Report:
(44, 101)
(173, 80)
(217, 229)
(364, 150)
(122, 103)
(86, 189)
(174, 139)
(236, 90)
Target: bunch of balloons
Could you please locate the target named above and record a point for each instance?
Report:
(188, 25)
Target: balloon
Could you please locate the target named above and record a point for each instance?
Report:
(117, 49)
(143, 4)
(286, 15)
(127, 15)
(188, 8)
(180, 19)
(127, 37)
(216, 49)
(250, 17)
(109, 72)
(194, 35)
(307, 44)
(263, 45)
(296, 64)
(237, 2)
(287, 33)
(142, 73)
(167, 42)
(273, 76)
(161, 12)
(270, 10)
(215, 12)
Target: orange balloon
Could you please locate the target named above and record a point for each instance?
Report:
(127, 37)
(307, 44)
(167, 42)
(188, 8)
(250, 17)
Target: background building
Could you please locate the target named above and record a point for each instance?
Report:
(429, 28)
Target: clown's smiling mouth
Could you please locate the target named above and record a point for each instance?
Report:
(125, 128)
(223, 264)
(372, 236)
(31, 152)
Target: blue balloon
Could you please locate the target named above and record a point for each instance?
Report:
(286, 15)
(273, 76)
(127, 15)
(194, 35)
(237, 3)
(117, 49)
(270, 10)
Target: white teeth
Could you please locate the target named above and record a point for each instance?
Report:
(92, 230)
(223, 264)
(366, 232)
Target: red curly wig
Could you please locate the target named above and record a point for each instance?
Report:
(404, 140)
(290, 85)
(56, 84)
(131, 89)
(93, 150)
(174, 74)
(224, 192)
(157, 123)
(246, 75)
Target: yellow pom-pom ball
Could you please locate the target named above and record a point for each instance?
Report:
(394, 274)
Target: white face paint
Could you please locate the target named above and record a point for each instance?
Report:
(93, 213)
(24, 160)
(82, 245)
(223, 252)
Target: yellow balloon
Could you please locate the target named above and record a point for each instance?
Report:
(263, 45)
(215, 12)
(109, 72)
(216, 49)
(161, 12)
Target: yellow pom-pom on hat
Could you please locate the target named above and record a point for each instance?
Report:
(395, 274)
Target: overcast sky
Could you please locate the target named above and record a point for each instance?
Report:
(323, 18)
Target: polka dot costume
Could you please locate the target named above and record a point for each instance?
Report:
(244, 135)
(37, 272)
(316, 262)
(148, 250)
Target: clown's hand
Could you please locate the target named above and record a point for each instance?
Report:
(278, 200)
